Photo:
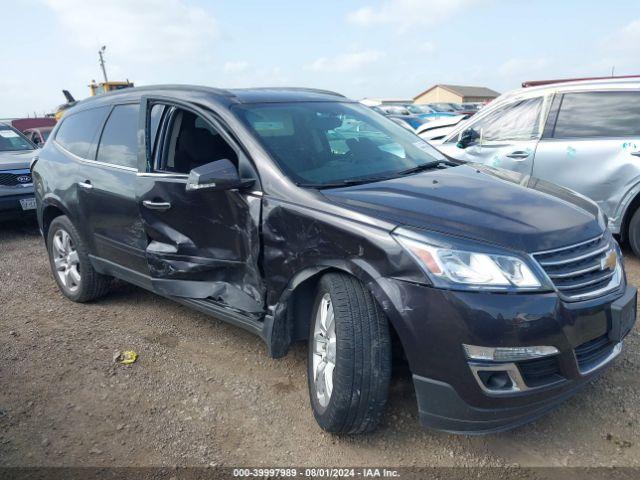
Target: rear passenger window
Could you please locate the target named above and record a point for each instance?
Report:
(78, 132)
(599, 114)
(119, 141)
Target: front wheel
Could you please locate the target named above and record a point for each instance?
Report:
(634, 233)
(349, 362)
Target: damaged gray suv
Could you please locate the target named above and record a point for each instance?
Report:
(301, 215)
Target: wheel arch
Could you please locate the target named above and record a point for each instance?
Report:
(50, 210)
(289, 318)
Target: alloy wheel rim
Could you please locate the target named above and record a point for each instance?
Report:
(66, 261)
(324, 350)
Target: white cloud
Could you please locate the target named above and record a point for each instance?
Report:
(235, 68)
(621, 49)
(346, 62)
(522, 67)
(140, 30)
(427, 47)
(406, 14)
(625, 40)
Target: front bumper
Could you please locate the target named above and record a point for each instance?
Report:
(10, 206)
(434, 324)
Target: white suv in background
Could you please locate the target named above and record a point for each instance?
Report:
(583, 135)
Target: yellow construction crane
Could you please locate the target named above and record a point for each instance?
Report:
(106, 86)
(94, 87)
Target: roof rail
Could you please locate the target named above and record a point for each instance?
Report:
(302, 89)
(538, 83)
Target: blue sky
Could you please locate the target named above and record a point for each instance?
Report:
(362, 48)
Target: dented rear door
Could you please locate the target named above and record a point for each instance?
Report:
(201, 244)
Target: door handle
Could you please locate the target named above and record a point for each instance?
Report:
(519, 155)
(156, 205)
(636, 154)
(86, 185)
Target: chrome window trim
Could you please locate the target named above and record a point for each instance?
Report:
(92, 162)
(163, 175)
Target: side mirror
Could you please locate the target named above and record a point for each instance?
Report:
(217, 175)
(467, 138)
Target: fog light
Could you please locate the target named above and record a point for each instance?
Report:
(507, 354)
(496, 380)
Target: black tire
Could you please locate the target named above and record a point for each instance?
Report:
(91, 285)
(362, 358)
(634, 233)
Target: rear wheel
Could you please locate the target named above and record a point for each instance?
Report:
(69, 259)
(634, 233)
(349, 363)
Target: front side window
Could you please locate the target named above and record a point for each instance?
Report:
(324, 143)
(598, 114)
(516, 121)
(190, 142)
(78, 131)
(119, 140)
(12, 141)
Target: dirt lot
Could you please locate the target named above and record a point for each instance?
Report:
(203, 392)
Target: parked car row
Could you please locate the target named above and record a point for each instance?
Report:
(302, 215)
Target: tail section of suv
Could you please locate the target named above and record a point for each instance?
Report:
(583, 135)
(16, 187)
(301, 215)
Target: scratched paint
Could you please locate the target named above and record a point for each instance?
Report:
(571, 152)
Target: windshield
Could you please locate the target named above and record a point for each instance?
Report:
(441, 107)
(326, 143)
(419, 109)
(12, 141)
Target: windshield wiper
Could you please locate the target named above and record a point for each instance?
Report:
(426, 166)
(344, 183)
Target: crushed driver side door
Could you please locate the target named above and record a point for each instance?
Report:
(202, 244)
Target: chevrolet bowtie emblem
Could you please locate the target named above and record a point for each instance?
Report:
(610, 261)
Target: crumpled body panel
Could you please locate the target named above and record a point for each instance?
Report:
(206, 245)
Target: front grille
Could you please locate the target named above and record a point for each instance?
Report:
(540, 371)
(592, 353)
(577, 270)
(13, 179)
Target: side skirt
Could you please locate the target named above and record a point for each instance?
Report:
(258, 325)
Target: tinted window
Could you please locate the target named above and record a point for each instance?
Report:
(119, 141)
(325, 143)
(517, 121)
(78, 131)
(599, 114)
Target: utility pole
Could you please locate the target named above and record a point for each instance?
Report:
(104, 70)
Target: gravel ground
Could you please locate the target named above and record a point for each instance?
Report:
(203, 392)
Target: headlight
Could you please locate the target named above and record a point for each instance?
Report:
(448, 267)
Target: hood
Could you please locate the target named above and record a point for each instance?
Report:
(483, 204)
(16, 160)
